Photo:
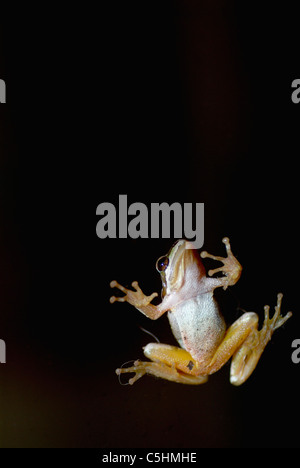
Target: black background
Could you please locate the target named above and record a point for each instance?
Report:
(173, 101)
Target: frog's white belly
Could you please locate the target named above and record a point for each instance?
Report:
(198, 325)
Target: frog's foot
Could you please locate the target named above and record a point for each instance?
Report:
(136, 298)
(247, 356)
(137, 369)
(270, 325)
(159, 369)
(231, 268)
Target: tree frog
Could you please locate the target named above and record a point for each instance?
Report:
(197, 324)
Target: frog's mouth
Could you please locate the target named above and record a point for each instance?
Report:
(181, 256)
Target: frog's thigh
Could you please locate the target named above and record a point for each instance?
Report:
(172, 363)
(235, 336)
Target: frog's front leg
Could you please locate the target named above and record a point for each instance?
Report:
(246, 343)
(138, 299)
(168, 362)
(231, 268)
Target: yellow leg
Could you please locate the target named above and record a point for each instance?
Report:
(247, 356)
(236, 334)
(170, 363)
(246, 344)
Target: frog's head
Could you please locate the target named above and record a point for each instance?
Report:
(182, 266)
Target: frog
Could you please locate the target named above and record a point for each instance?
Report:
(205, 342)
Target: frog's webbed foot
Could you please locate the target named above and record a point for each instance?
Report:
(137, 369)
(136, 298)
(231, 268)
(270, 325)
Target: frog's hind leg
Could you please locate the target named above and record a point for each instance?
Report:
(168, 362)
(247, 356)
(245, 343)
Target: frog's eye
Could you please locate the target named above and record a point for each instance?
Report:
(162, 263)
